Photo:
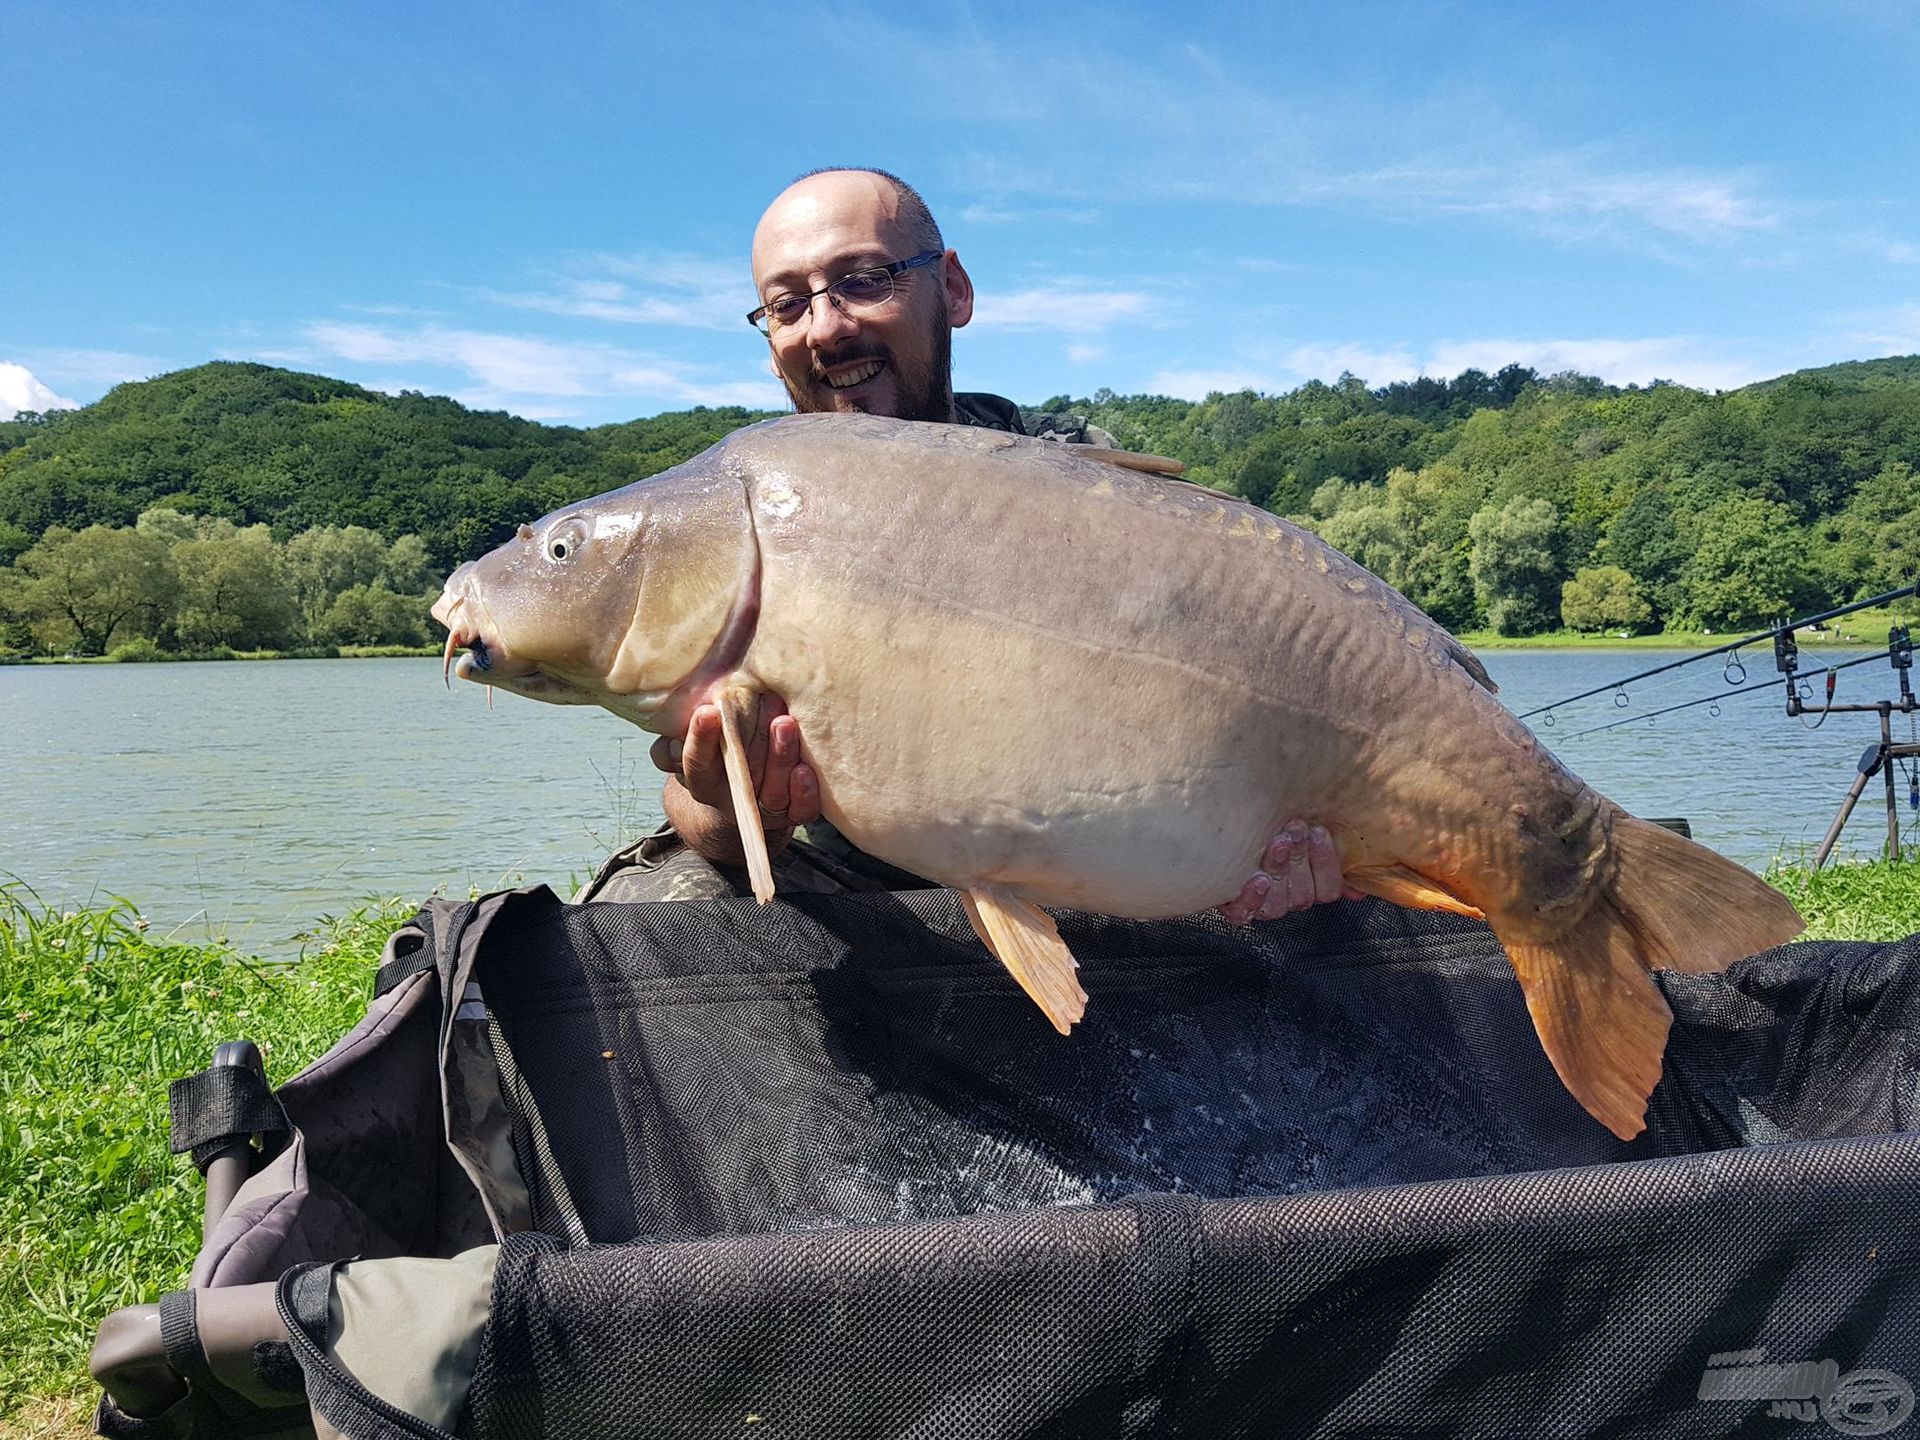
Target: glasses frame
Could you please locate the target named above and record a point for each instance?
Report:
(763, 321)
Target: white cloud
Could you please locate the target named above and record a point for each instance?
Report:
(1686, 359)
(1198, 384)
(1007, 215)
(1892, 331)
(92, 369)
(1086, 354)
(1297, 148)
(1075, 311)
(21, 390)
(674, 290)
(529, 375)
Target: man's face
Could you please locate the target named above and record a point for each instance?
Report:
(894, 360)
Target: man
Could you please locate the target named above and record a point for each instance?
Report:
(859, 300)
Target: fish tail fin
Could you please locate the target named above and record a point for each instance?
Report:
(1671, 904)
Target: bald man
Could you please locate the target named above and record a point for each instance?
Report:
(859, 301)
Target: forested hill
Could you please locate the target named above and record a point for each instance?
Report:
(255, 444)
(1512, 499)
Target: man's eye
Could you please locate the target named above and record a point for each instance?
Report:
(868, 285)
(788, 308)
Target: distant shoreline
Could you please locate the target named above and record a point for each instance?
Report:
(1850, 638)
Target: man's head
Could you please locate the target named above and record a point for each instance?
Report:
(892, 359)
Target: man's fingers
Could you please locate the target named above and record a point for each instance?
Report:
(1323, 860)
(803, 795)
(1305, 866)
(1246, 905)
(776, 776)
(703, 761)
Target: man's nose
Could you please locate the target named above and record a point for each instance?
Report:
(829, 321)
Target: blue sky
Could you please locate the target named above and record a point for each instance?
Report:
(546, 208)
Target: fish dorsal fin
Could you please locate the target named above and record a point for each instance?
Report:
(1022, 937)
(1132, 460)
(738, 703)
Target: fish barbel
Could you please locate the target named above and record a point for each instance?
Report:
(1042, 678)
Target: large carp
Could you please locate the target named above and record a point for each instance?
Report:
(1045, 679)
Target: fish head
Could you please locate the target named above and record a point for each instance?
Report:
(637, 600)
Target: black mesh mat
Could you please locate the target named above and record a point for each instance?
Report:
(844, 1181)
(721, 1068)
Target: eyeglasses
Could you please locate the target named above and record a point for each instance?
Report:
(861, 291)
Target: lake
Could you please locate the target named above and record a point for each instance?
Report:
(249, 799)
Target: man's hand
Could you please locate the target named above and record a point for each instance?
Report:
(1301, 868)
(700, 807)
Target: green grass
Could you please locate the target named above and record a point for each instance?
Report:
(97, 1015)
(1859, 900)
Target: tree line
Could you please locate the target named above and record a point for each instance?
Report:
(1513, 500)
(203, 585)
(1524, 503)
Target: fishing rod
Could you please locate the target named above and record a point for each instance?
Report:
(1618, 687)
(1756, 688)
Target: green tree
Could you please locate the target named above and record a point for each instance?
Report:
(84, 587)
(167, 525)
(373, 615)
(325, 562)
(1873, 545)
(1604, 597)
(1515, 564)
(1750, 565)
(236, 591)
(407, 569)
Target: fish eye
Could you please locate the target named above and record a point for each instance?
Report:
(564, 539)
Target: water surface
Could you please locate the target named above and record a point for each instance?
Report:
(251, 798)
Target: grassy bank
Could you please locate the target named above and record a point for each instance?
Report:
(97, 1015)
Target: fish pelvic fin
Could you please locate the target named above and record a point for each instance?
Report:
(739, 704)
(1407, 887)
(1022, 937)
(1671, 905)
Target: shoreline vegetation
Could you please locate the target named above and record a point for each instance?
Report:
(242, 507)
(98, 1013)
(1857, 631)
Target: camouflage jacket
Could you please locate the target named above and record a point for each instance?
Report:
(993, 412)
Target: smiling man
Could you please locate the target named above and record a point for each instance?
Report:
(859, 299)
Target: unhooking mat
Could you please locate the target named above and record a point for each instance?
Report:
(819, 1169)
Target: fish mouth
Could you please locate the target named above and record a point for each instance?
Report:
(486, 660)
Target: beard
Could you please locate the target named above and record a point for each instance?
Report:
(922, 392)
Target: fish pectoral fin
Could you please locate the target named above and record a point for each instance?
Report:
(1407, 887)
(1022, 937)
(1132, 459)
(739, 704)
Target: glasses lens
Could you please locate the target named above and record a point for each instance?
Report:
(867, 288)
(786, 310)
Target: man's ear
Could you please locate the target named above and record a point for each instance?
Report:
(959, 293)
